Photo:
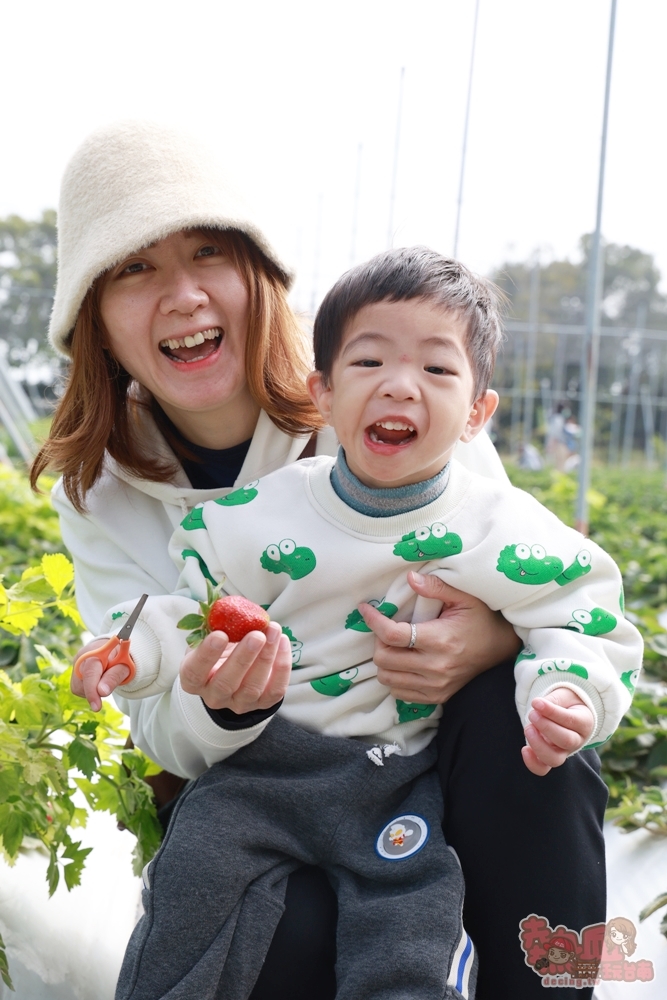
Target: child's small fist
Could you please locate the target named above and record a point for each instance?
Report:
(91, 681)
(559, 724)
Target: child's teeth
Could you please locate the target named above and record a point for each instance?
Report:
(394, 425)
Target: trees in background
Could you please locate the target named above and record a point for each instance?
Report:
(27, 280)
(630, 296)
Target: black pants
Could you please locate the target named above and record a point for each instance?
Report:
(526, 844)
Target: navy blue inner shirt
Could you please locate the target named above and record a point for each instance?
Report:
(209, 468)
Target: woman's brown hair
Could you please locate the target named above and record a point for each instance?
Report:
(98, 411)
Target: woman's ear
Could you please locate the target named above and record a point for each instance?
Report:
(481, 411)
(319, 391)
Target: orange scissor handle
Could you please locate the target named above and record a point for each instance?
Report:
(113, 653)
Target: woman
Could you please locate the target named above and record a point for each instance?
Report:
(187, 379)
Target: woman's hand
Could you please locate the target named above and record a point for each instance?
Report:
(245, 676)
(95, 683)
(467, 639)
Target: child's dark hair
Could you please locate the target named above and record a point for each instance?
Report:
(413, 273)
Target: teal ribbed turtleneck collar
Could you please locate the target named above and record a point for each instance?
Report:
(384, 502)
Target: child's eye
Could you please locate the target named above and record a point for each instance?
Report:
(436, 370)
(368, 363)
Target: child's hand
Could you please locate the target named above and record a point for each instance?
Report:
(245, 676)
(560, 724)
(94, 683)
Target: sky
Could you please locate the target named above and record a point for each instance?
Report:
(301, 101)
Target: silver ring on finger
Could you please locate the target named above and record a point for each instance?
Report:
(413, 637)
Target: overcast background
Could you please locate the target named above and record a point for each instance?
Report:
(287, 91)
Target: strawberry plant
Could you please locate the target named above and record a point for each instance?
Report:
(55, 753)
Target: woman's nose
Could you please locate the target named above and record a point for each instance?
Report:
(182, 293)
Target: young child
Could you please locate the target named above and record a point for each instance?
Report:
(404, 350)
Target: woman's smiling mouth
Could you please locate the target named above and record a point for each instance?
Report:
(197, 347)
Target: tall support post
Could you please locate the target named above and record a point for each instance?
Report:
(531, 352)
(591, 350)
(516, 393)
(464, 146)
(317, 249)
(355, 209)
(394, 173)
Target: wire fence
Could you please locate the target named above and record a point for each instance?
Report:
(539, 380)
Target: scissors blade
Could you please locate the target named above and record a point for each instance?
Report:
(132, 620)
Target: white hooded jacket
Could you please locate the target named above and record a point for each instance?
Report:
(120, 551)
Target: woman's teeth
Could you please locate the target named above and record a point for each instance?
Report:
(172, 344)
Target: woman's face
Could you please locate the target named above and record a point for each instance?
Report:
(176, 314)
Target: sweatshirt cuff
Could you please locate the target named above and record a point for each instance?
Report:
(545, 683)
(205, 730)
(231, 721)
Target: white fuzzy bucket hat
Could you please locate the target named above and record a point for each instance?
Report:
(129, 185)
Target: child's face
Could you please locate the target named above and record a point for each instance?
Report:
(400, 393)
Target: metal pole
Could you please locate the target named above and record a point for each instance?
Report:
(533, 314)
(355, 209)
(316, 256)
(394, 175)
(592, 338)
(465, 135)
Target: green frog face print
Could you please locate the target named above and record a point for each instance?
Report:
(244, 495)
(565, 666)
(295, 644)
(335, 684)
(408, 711)
(597, 621)
(355, 621)
(288, 557)
(433, 542)
(530, 564)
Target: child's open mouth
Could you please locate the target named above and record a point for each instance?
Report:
(391, 432)
(196, 348)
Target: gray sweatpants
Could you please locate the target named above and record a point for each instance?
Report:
(215, 891)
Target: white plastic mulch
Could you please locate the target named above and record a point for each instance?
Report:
(70, 947)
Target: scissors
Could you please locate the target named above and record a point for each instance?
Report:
(116, 650)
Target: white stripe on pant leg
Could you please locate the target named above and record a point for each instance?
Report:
(462, 962)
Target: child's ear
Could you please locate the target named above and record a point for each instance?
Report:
(319, 391)
(481, 411)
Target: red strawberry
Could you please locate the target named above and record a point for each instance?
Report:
(236, 616)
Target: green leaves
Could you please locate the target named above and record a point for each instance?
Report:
(52, 746)
(4, 968)
(84, 755)
(199, 623)
(191, 621)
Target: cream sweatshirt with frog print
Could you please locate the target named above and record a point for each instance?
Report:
(290, 543)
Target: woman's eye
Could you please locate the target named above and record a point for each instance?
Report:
(135, 268)
(435, 370)
(208, 251)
